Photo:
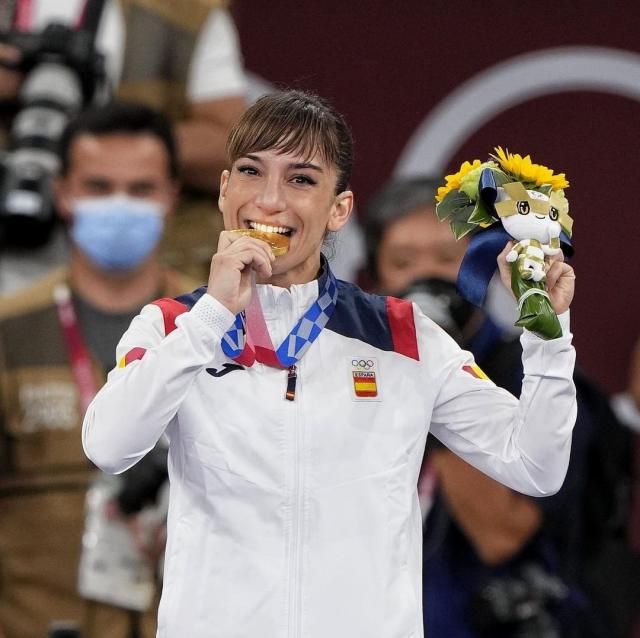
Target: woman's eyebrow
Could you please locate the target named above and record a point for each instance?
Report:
(293, 165)
(299, 165)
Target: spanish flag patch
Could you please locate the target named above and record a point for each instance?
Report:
(365, 379)
(133, 355)
(364, 384)
(475, 371)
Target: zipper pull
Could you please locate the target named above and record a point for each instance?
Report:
(292, 376)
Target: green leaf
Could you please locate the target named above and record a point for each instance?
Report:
(462, 214)
(452, 202)
(481, 214)
(500, 177)
(460, 229)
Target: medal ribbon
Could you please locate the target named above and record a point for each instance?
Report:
(248, 339)
(23, 17)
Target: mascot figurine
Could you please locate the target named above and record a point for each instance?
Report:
(509, 197)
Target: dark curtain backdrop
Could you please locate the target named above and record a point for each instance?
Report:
(385, 65)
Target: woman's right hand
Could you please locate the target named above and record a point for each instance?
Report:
(231, 268)
(10, 79)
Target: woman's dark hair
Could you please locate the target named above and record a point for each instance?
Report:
(295, 121)
(119, 117)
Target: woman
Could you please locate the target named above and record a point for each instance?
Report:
(294, 452)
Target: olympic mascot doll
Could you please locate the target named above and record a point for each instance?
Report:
(509, 197)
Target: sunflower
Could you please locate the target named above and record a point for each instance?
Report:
(524, 170)
(453, 181)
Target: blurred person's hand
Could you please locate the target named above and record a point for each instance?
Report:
(10, 79)
(148, 533)
(149, 536)
(560, 278)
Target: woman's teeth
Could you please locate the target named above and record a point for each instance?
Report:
(265, 228)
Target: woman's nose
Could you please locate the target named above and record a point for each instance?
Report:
(270, 197)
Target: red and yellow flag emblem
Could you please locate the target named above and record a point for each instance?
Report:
(475, 371)
(364, 376)
(364, 383)
(133, 355)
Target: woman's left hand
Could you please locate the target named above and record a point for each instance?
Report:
(560, 278)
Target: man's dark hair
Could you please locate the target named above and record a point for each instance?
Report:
(397, 199)
(119, 117)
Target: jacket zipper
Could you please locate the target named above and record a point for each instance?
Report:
(292, 377)
(296, 528)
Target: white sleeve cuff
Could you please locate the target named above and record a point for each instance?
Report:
(213, 314)
(565, 322)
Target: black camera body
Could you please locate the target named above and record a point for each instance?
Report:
(518, 606)
(61, 44)
(62, 73)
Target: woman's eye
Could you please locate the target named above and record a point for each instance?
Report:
(302, 179)
(553, 214)
(523, 207)
(248, 170)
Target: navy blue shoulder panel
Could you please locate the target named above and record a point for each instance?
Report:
(360, 315)
(190, 298)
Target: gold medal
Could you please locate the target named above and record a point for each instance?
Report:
(279, 243)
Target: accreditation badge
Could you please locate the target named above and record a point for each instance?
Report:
(364, 378)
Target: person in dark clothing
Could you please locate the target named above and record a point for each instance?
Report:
(496, 563)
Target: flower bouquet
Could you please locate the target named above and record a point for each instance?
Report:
(526, 202)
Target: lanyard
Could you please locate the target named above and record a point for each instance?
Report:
(81, 364)
(248, 339)
(23, 17)
(257, 335)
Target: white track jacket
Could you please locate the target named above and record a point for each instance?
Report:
(300, 519)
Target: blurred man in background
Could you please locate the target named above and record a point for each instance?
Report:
(496, 563)
(182, 58)
(118, 186)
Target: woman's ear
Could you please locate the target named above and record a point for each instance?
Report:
(224, 181)
(341, 212)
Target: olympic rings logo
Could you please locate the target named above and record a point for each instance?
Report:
(362, 364)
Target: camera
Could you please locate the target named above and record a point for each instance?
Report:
(518, 606)
(62, 73)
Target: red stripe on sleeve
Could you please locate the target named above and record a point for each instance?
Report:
(403, 328)
(134, 355)
(170, 309)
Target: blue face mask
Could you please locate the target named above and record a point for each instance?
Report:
(118, 232)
